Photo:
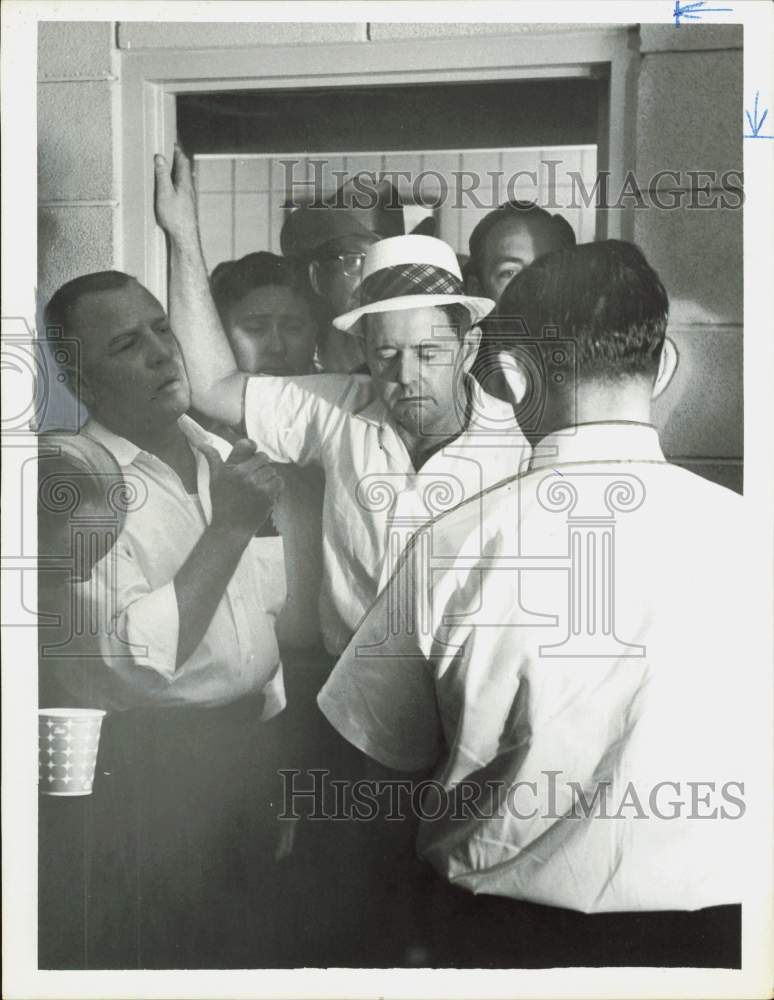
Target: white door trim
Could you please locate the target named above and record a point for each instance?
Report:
(151, 79)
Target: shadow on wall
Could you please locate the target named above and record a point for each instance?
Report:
(56, 406)
(700, 417)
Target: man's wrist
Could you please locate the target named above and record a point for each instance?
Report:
(231, 533)
(185, 241)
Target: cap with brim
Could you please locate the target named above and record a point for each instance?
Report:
(307, 229)
(411, 272)
(347, 213)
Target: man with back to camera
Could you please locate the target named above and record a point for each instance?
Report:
(186, 604)
(568, 694)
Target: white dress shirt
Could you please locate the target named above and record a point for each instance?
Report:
(132, 594)
(374, 498)
(575, 630)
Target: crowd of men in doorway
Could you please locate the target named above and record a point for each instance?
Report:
(369, 547)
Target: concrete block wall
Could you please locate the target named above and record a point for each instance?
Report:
(689, 118)
(78, 128)
(78, 190)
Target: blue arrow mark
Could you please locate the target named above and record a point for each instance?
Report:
(756, 123)
(694, 11)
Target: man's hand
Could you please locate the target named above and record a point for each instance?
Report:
(175, 198)
(243, 489)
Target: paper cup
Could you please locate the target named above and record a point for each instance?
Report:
(68, 740)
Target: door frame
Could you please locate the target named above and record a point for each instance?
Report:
(151, 80)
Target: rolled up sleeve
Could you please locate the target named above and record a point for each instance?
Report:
(381, 693)
(288, 418)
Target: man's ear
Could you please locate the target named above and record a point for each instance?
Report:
(314, 276)
(667, 366)
(513, 376)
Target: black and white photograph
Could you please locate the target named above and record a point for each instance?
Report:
(387, 487)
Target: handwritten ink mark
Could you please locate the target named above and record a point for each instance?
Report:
(694, 11)
(756, 123)
(559, 473)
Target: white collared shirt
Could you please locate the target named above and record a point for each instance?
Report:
(575, 630)
(374, 498)
(134, 592)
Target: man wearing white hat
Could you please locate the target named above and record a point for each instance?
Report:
(415, 438)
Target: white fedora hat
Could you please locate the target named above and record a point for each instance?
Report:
(411, 272)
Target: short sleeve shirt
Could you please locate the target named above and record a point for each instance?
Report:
(374, 498)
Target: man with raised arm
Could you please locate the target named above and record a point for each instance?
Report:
(416, 437)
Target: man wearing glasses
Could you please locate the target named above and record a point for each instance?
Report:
(332, 240)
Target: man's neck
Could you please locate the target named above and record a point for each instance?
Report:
(595, 403)
(168, 443)
(422, 445)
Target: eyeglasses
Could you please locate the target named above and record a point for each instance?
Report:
(350, 264)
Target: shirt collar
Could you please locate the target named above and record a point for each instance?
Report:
(619, 441)
(125, 451)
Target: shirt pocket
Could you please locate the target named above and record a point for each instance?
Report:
(268, 559)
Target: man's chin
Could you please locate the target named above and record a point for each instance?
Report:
(413, 416)
(175, 405)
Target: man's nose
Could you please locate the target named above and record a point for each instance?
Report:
(276, 342)
(160, 350)
(407, 369)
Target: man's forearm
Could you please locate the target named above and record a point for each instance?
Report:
(201, 582)
(216, 384)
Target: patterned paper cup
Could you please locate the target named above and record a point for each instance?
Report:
(68, 740)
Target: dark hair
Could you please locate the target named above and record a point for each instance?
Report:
(231, 280)
(604, 297)
(59, 309)
(561, 232)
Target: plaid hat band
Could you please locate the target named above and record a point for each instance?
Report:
(408, 279)
(410, 272)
